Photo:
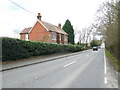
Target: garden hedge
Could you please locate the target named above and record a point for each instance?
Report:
(14, 49)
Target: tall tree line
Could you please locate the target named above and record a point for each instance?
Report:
(109, 25)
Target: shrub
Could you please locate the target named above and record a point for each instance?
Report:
(95, 43)
(13, 49)
(113, 60)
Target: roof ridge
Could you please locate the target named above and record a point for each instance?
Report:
(52, 24)
(53, 27)
(48, 23)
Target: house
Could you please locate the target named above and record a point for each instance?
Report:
(44, 32)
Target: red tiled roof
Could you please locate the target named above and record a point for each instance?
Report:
(49, 26)
(53, 28)
(26, 30)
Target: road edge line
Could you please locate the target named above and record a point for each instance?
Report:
(105, 80)
(105, 68)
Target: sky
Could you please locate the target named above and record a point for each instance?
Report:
(14, 19)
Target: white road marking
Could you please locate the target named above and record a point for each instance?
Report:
(36, 78)
(105, 68)
(105, 63)
(105, 80)
(69, 64)
(71, 77)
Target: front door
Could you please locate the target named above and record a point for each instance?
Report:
(62, 39)
(58, 39)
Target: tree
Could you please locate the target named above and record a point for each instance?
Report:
(119, 30)
(84, 34)
(68, 28)
(109, 24)
(95, 43)
(81, 34)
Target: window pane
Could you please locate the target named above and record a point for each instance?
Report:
(26, 37)
(53, 36)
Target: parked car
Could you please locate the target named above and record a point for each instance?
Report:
(95, 48)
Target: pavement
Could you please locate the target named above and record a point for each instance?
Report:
(35, 60)
(78, 70)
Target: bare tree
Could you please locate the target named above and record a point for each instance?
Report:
(84, 34)
(107, 21)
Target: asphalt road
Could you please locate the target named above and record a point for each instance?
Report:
(85, 70)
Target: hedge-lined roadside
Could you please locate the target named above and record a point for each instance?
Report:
(115, 62)
(14, 49)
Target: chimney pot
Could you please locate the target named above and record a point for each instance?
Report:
(59, 25)
(39, 16)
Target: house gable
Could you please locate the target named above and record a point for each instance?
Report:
(37, 28)
(38, 23)
(39, 33)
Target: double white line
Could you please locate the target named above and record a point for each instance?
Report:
(69, 64)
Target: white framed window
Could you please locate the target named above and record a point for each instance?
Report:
(27, 37)
(60, 36)
(53, 35)
(65, 38)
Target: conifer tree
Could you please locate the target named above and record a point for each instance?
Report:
(68, 28)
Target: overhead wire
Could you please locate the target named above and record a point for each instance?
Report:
(22, 7)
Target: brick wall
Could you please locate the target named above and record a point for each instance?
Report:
(39, 33)
(22, 36)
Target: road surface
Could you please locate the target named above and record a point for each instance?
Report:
(85, 70)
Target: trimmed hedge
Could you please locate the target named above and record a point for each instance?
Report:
(13, 49)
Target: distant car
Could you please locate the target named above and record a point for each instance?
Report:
(99, 47)
(95, 48)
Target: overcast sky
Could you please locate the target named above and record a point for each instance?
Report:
(81, 13)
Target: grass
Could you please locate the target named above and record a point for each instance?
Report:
(115, 62)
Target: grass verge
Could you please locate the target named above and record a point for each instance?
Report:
(113, 60)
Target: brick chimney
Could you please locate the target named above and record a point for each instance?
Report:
(39, 16)
(59, 25)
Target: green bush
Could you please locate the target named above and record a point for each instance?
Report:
(95, 43)
(14, 49)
